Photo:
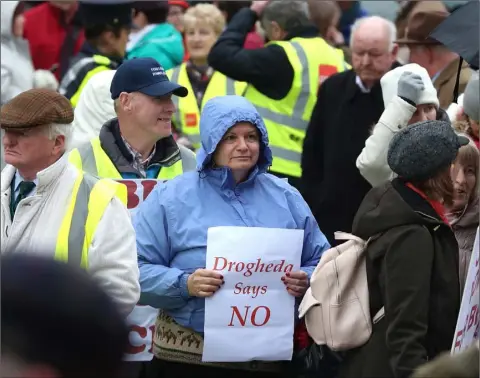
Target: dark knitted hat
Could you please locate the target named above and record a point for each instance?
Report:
(423, 149)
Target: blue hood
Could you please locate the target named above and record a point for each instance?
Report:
(221, 113)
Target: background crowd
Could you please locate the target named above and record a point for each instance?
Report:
(366, 122)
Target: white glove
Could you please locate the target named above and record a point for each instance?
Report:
(45, 79)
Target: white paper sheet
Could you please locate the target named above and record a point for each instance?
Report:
(468, 321)
(252, 316)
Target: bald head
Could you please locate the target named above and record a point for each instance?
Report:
(374, 30)
(373, 48)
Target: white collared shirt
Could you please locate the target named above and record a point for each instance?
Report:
(360, 84)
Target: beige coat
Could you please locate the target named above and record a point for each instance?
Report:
(465, 226)
(112, 255)
(445, 82)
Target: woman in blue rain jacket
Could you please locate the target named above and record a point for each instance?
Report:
(230, 188)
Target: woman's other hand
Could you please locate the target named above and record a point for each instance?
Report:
(204, 283)
(296, 283)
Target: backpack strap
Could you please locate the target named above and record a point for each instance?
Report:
(346, 236)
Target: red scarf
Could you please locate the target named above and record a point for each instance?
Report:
(437, 206)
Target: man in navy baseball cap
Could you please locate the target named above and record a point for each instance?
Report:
(144, 75)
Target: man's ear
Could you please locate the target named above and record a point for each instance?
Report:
(395, 51)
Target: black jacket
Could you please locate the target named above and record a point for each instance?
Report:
(412, 270)
(340, 124)
(267, 69)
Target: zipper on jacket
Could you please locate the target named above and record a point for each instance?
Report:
(426, 215)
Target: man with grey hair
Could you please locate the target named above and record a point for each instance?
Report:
(283, 76)
(348, 106)
(50, 208)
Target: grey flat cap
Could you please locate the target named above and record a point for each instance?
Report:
(423, 149)
(471, 98)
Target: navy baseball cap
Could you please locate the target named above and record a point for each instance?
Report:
(144, 75)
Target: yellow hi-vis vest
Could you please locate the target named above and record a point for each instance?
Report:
(90, 197)
(187, 115)
(103, 64)
(287, 119)
(93, 159)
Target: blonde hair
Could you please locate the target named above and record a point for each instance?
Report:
(206, 14)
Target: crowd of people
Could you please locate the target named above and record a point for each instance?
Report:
(129, 129)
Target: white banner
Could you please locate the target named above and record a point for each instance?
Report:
(251, 317)
(142, 319)
(467, 329)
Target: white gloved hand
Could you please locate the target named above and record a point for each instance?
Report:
(45, 79)
(410, 87)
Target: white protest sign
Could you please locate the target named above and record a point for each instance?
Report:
(467, 329)
(251, 317)
(142, 319)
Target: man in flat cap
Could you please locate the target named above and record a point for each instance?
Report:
(49, 207)
(138, 145)
(107, 26)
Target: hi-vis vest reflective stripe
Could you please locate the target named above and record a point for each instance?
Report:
(187, 115)
(90, 197)
(287, 119)
(104, 64)
(93, 159)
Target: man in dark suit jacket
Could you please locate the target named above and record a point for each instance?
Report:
(349, 104)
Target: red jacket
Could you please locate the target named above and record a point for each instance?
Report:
(45, 34)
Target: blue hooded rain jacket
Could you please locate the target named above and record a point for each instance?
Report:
(172, 224)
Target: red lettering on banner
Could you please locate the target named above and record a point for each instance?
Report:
(152, 331)
(473, 319)
(253, 317)
(475, 281)
(135, 349)
(148, 186)
(142, 331)
(132, 200)
(458, 339)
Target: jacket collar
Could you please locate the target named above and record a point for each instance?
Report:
(448, 72)
(309, 31)
(468, 217)
(416, 201)
(167, 152)
(223, 178)
(352, 89)
(45, 178)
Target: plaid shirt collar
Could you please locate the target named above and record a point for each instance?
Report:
(138, 163)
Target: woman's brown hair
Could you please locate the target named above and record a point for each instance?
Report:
(439, 187)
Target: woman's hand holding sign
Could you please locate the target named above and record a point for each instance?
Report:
(296, 283)
(204, 283)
